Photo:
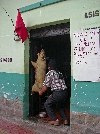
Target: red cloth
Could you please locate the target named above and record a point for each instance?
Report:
(20, 28)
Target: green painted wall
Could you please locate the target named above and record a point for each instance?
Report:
(15, 87)
(12, 85)
(85, 97)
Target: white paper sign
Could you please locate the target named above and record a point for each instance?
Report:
(86, 59)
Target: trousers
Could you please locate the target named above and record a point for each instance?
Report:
(57, 99)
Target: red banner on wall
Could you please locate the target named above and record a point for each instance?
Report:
(20, 28)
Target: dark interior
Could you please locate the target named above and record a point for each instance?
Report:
(58, 47)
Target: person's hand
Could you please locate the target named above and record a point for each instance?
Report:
(40, 93)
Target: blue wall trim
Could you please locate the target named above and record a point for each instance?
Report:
(38, 5)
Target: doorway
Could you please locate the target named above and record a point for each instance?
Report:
(55, 40)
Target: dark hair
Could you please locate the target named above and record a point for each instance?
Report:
(52, 64)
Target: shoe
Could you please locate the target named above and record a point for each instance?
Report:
(66, 122)
(55, 123)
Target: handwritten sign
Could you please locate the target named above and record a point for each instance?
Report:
(86, 55)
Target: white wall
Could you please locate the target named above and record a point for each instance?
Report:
(69, 9)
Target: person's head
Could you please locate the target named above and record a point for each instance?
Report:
(52, 64)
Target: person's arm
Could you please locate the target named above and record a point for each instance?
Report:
(44, 88)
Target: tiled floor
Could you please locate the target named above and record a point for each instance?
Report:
(7, 127)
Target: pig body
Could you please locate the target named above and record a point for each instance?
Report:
(40, 71)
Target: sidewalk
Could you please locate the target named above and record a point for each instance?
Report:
(7, 127)
(30, 126)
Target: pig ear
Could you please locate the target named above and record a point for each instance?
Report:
(38, 54)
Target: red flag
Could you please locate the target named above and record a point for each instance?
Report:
(20, 28)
